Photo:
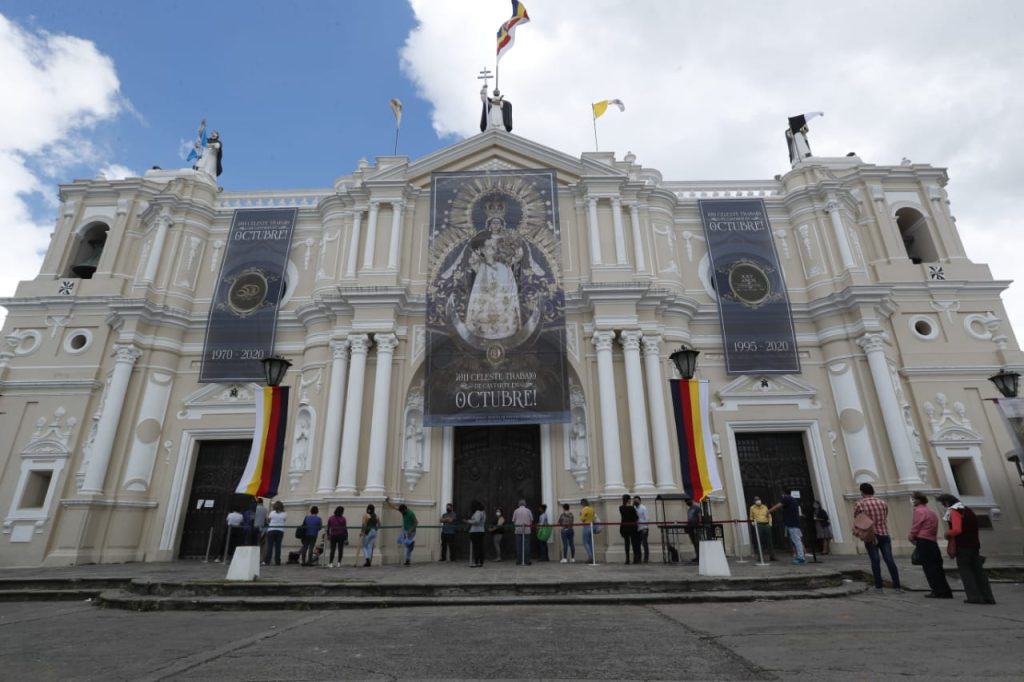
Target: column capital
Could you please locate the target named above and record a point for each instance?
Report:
(375, 204)
(125, 353)
(359, 343)
(651, 344)
(339, 349)
(603, 340)
(831, 206)
(616, 202)
(630, 339)
(386, 343)
(592, 201)
(873, 342)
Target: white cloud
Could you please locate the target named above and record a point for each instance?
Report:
(708, 87)
(55, 87)
(115, 171)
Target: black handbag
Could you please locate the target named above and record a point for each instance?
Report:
(300, 532)
(915, 557)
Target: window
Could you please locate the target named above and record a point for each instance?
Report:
(917, 238)
(36, 486)
(90, 247)
(965, 477)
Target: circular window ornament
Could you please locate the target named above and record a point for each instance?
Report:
(77, 341)
(924, 327)
(26, 342)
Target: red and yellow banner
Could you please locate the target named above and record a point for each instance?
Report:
(692, 408)
(263, 470)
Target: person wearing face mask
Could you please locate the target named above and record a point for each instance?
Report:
(448, 520)
(761, 532)
(642, 519)
(923, 534)
(498, 532)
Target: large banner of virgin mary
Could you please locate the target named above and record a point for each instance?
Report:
(495, 305)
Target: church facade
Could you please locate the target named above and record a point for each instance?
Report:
(112, 450)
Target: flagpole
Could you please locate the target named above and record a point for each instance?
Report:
(398, 127)
(596, 148)
(496, 62)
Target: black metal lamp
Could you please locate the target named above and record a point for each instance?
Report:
(1007, 382)
(685, 360)
(274, 369)
(1015, 458)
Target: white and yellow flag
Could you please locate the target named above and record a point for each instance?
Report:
(602, 106)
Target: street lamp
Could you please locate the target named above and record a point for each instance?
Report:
(1015, 458)
(685, 360)
(1007, 382)
(274, 369)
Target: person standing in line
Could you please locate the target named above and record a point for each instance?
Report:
(235, 532)
(587, 519)
(522, 520)
(822, 526)
(448, 521)
(337, 534)
(924, 532)
(628, 520)
(311, 526)
(498, 532)
(543, 531)
(259, 524)
(963, 536)
(761, 533)
(275, 533)
(694, 520)
(881, 549)
(791, 520)
(477, 520)
(409, 523)
(368, 533)
(642, 527)
(565, 521)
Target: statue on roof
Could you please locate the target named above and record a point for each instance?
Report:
(210, 158)
(796, 136)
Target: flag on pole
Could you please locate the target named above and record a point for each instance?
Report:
(396, 108)
(692, 408)
(602, 106)
(798, 122)
(200, 144)
(506, 34)
(263, 470)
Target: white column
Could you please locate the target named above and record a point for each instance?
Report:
(353, 249)
(873, 345)
(359, 345)
(609, 414)
(162, 223)
(335, 410)
(547, 484)
(379, 425)
(860, 454)
(396, 235)
(642, 477)
(656, 408)
(371, 236)
(447, 463)
(595, 233)
(832, 208)
(106, 429)
(620, 235)
(638, 243)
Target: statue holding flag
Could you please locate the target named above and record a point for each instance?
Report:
(207, 152)
(796, 136)
(497, 112)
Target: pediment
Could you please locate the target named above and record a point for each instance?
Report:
(213, 399)
(768, 389)
(496, 150)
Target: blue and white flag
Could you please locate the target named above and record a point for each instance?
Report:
(200, 143)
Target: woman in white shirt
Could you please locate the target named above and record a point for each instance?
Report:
(275, 533)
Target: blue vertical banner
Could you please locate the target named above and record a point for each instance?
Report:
(242, 323)
(757, 324)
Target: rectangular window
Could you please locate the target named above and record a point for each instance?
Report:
(965, 477)
(36, 487)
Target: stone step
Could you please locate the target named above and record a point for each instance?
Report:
(10, 595)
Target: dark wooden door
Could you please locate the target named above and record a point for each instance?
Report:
(219, 467)
(497, 465)
(771, 463)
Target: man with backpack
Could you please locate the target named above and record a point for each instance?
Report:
(875, 535)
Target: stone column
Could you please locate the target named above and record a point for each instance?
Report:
(620, 235)
(642, 478)
(335, 410)
(359, 345)
(102, 447)
(396, 235)
(873, 345)
(656, 408)
(852, 424)
(353, 249)
(842, 239)
(379, 424)
(595, 232)
(609, 414)
(162, 223)
(638, 244)
(371, 236)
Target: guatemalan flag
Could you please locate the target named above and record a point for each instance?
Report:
(263, 470)
(506, 34)
(692, 402)
(200, 144)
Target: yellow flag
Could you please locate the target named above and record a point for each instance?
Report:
(600, 108)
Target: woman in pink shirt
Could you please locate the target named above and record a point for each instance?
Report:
(924, 534)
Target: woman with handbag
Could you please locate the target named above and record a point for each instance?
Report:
(965, 546)
(924, 535)
(275, 533)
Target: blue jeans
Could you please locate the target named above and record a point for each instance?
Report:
(796, 538)
(274, 538)
(568, 543)
(523, 548)
(588, 542)
(409, 542)
(884, 548)
(368, 541)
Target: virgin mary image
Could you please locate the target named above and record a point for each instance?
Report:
(493, 308)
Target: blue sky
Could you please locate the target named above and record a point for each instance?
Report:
(300, 90)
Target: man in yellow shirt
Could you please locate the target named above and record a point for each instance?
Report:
(587, 518)
(762, 520)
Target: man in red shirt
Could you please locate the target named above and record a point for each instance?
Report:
(881, 549)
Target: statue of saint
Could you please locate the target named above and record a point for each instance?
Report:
(578, 446)
(210, 160)
(796, 136)
(497, 112)
(493, 308)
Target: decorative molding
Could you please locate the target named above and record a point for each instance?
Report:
(776, 389)
(219, 399)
